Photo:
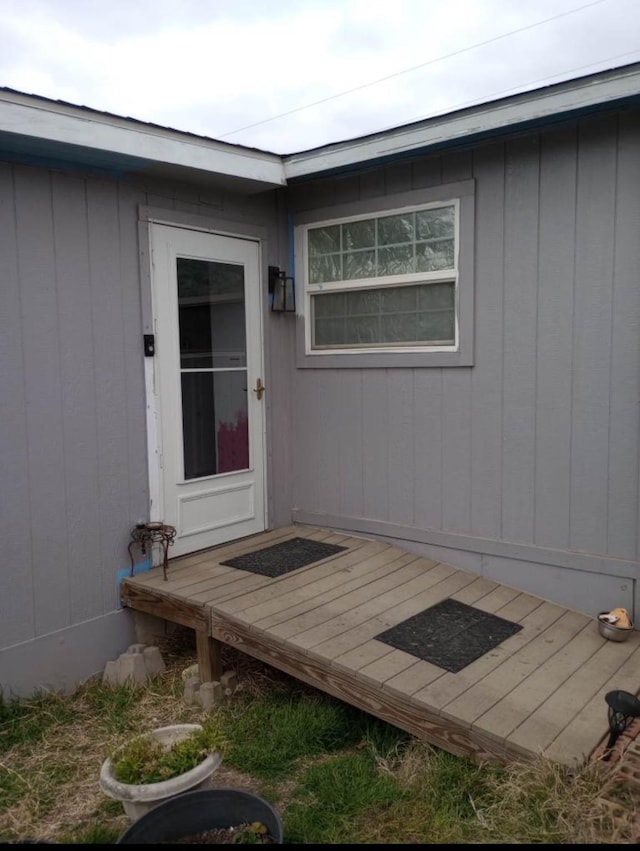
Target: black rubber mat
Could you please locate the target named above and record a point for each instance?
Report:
(282, 558)
(450, 634)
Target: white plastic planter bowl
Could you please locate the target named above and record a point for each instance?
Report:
(139, 799)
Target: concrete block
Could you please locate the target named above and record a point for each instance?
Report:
(153, 661)
(132, 669)
(191, 689)
(210, 695)
(111, 673)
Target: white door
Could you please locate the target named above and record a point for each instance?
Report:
(210, 408)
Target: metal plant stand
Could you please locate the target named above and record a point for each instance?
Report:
(145, 535)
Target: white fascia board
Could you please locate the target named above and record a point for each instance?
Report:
(487, 119)
(47, 120)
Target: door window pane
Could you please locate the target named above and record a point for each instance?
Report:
(213, 360)
(214, 423)
(211, 314)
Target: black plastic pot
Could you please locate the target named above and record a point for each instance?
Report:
(205, 809)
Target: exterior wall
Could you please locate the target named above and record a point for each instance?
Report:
(73, 458)
(524, 466)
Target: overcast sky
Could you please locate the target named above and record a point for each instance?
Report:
(214, 67)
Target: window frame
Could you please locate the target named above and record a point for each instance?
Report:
(460, 353)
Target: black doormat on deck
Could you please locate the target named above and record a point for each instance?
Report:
(450, 634)
(282, 558)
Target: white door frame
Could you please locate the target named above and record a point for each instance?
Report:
(151, 377)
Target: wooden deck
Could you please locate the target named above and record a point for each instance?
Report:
(539, 692)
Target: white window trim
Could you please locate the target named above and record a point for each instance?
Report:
(462, 195)
(351, 284)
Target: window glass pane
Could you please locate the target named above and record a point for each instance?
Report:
(359, 234)
(326, 267)
(362, 302)
(438, 327)
(399, 328)
(211, 314)
(362, 330)
(394, 299)
(436, 296)
(418, 314)
(324, 240)
(396, 229)
(329, 332)
(396, 261)
(433, 224)
(332, 305)
(214, 404)
(359, 264)
(432, 256)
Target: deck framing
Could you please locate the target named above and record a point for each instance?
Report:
(541, 692)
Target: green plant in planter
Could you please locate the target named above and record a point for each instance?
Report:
(145, 760)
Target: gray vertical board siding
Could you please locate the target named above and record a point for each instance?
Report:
(348, 188)
(520, 327)
(60, 660)
(279, 331)
(426, 172)
(486, 376)
(16, 577)
(401, 422)
(427, 447)
(372, 184)
(457, 165)
(397, 178)
(592, 334)
(318, 430)
(79, 416)
(456, 402)
(137, 469)
(624, 422)
(110, 387)
(456, 449)
(43, 388)
(579, 590)
(280, 466)
(375, 443)
(303, 447)
(349, 446)
(73, 428)
(556, 266)
(329, 435)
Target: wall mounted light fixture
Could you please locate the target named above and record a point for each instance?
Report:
(282, 291)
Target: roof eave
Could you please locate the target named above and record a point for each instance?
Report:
(83, 135)
(604, 91)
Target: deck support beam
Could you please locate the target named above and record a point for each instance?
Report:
(209, 655)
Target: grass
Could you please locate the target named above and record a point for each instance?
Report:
(336, 775)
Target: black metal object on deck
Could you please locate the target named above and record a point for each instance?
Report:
(145, 535)
(623, 708)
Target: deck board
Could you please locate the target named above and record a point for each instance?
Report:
(541, 691)
(523, 700)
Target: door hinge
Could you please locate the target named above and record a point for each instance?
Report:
(149, 345)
